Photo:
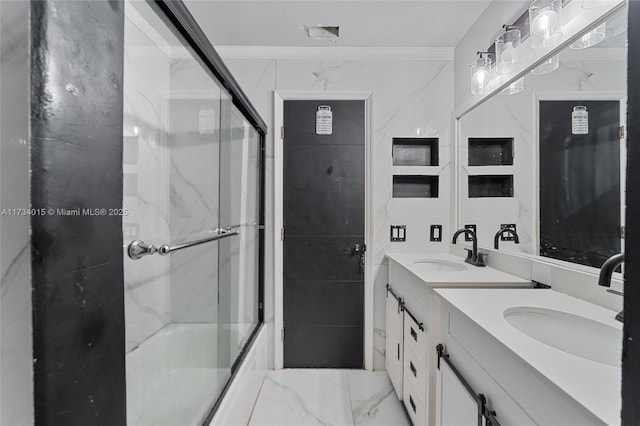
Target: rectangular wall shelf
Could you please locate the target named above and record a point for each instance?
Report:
(415, 186)
(490, 186)
(415, 151)
(490, 151)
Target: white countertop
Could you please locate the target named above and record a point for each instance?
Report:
(467, 277)
(593, 385)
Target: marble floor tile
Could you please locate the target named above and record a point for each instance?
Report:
(304, 397)
(373, 401)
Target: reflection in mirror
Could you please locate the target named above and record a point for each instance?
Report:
(548, 159)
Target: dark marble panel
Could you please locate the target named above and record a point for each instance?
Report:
(314, 347)
(76, 162)
(324, 213)
(348, 123)
(324, 303)
(321, 258)
(323, 219)
(324, 167)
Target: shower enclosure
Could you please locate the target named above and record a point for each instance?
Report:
(192, 218)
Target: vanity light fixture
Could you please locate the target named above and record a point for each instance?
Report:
(480, 73)
(545, 20)
(591, 38)
(514, 88)
(508, 51)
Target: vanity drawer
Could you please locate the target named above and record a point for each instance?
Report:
(416, 374)
(414, 406)
(415, 337)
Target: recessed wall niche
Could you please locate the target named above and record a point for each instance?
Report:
(490, 151)
(415, 151)
(490, 186)
(415, 186)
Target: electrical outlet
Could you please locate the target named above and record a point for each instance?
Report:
(436, 233)
(474, 229)
(507, 237)
(398, 233)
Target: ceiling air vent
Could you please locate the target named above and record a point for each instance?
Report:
(323, 32)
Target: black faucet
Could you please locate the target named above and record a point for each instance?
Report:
(473, 257)
(511, 231)
(605, 276)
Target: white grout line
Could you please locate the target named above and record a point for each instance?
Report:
(253, 408)
(353, 420)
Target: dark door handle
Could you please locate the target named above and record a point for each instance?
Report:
(355, 249)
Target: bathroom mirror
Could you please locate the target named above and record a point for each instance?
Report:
(547, 154)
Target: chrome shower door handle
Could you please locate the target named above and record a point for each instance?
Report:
(138, 249)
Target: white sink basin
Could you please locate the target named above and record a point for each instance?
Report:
(439, 265)
(569, 333)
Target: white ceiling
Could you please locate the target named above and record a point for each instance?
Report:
(439, 23)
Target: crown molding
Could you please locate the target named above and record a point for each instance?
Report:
(336, 52)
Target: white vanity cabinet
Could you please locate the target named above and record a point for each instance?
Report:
(454, 404)
(394, 340)
(510, 383)
(412, 337)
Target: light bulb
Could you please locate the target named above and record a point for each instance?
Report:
(481, 76)
(545, 23)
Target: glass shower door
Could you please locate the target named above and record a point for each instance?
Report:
(192, 170)
(239, 207)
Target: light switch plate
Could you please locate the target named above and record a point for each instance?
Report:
(436, 233)
(398, 233)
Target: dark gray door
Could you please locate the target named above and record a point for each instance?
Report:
(580, 183)
(324, 234)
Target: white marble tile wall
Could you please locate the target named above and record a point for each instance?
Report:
(194, 142)
(410, 98)
(513, 116)
(16, 388)
(146, 183)
(501, 116)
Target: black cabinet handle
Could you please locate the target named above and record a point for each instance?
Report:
(413, 404)
(414, 334)
(398, 351)
(413, 369)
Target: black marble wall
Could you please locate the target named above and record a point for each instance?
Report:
(76, 162)
(631, 348)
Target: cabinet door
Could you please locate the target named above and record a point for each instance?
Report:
(394, 343)
(454, 405)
